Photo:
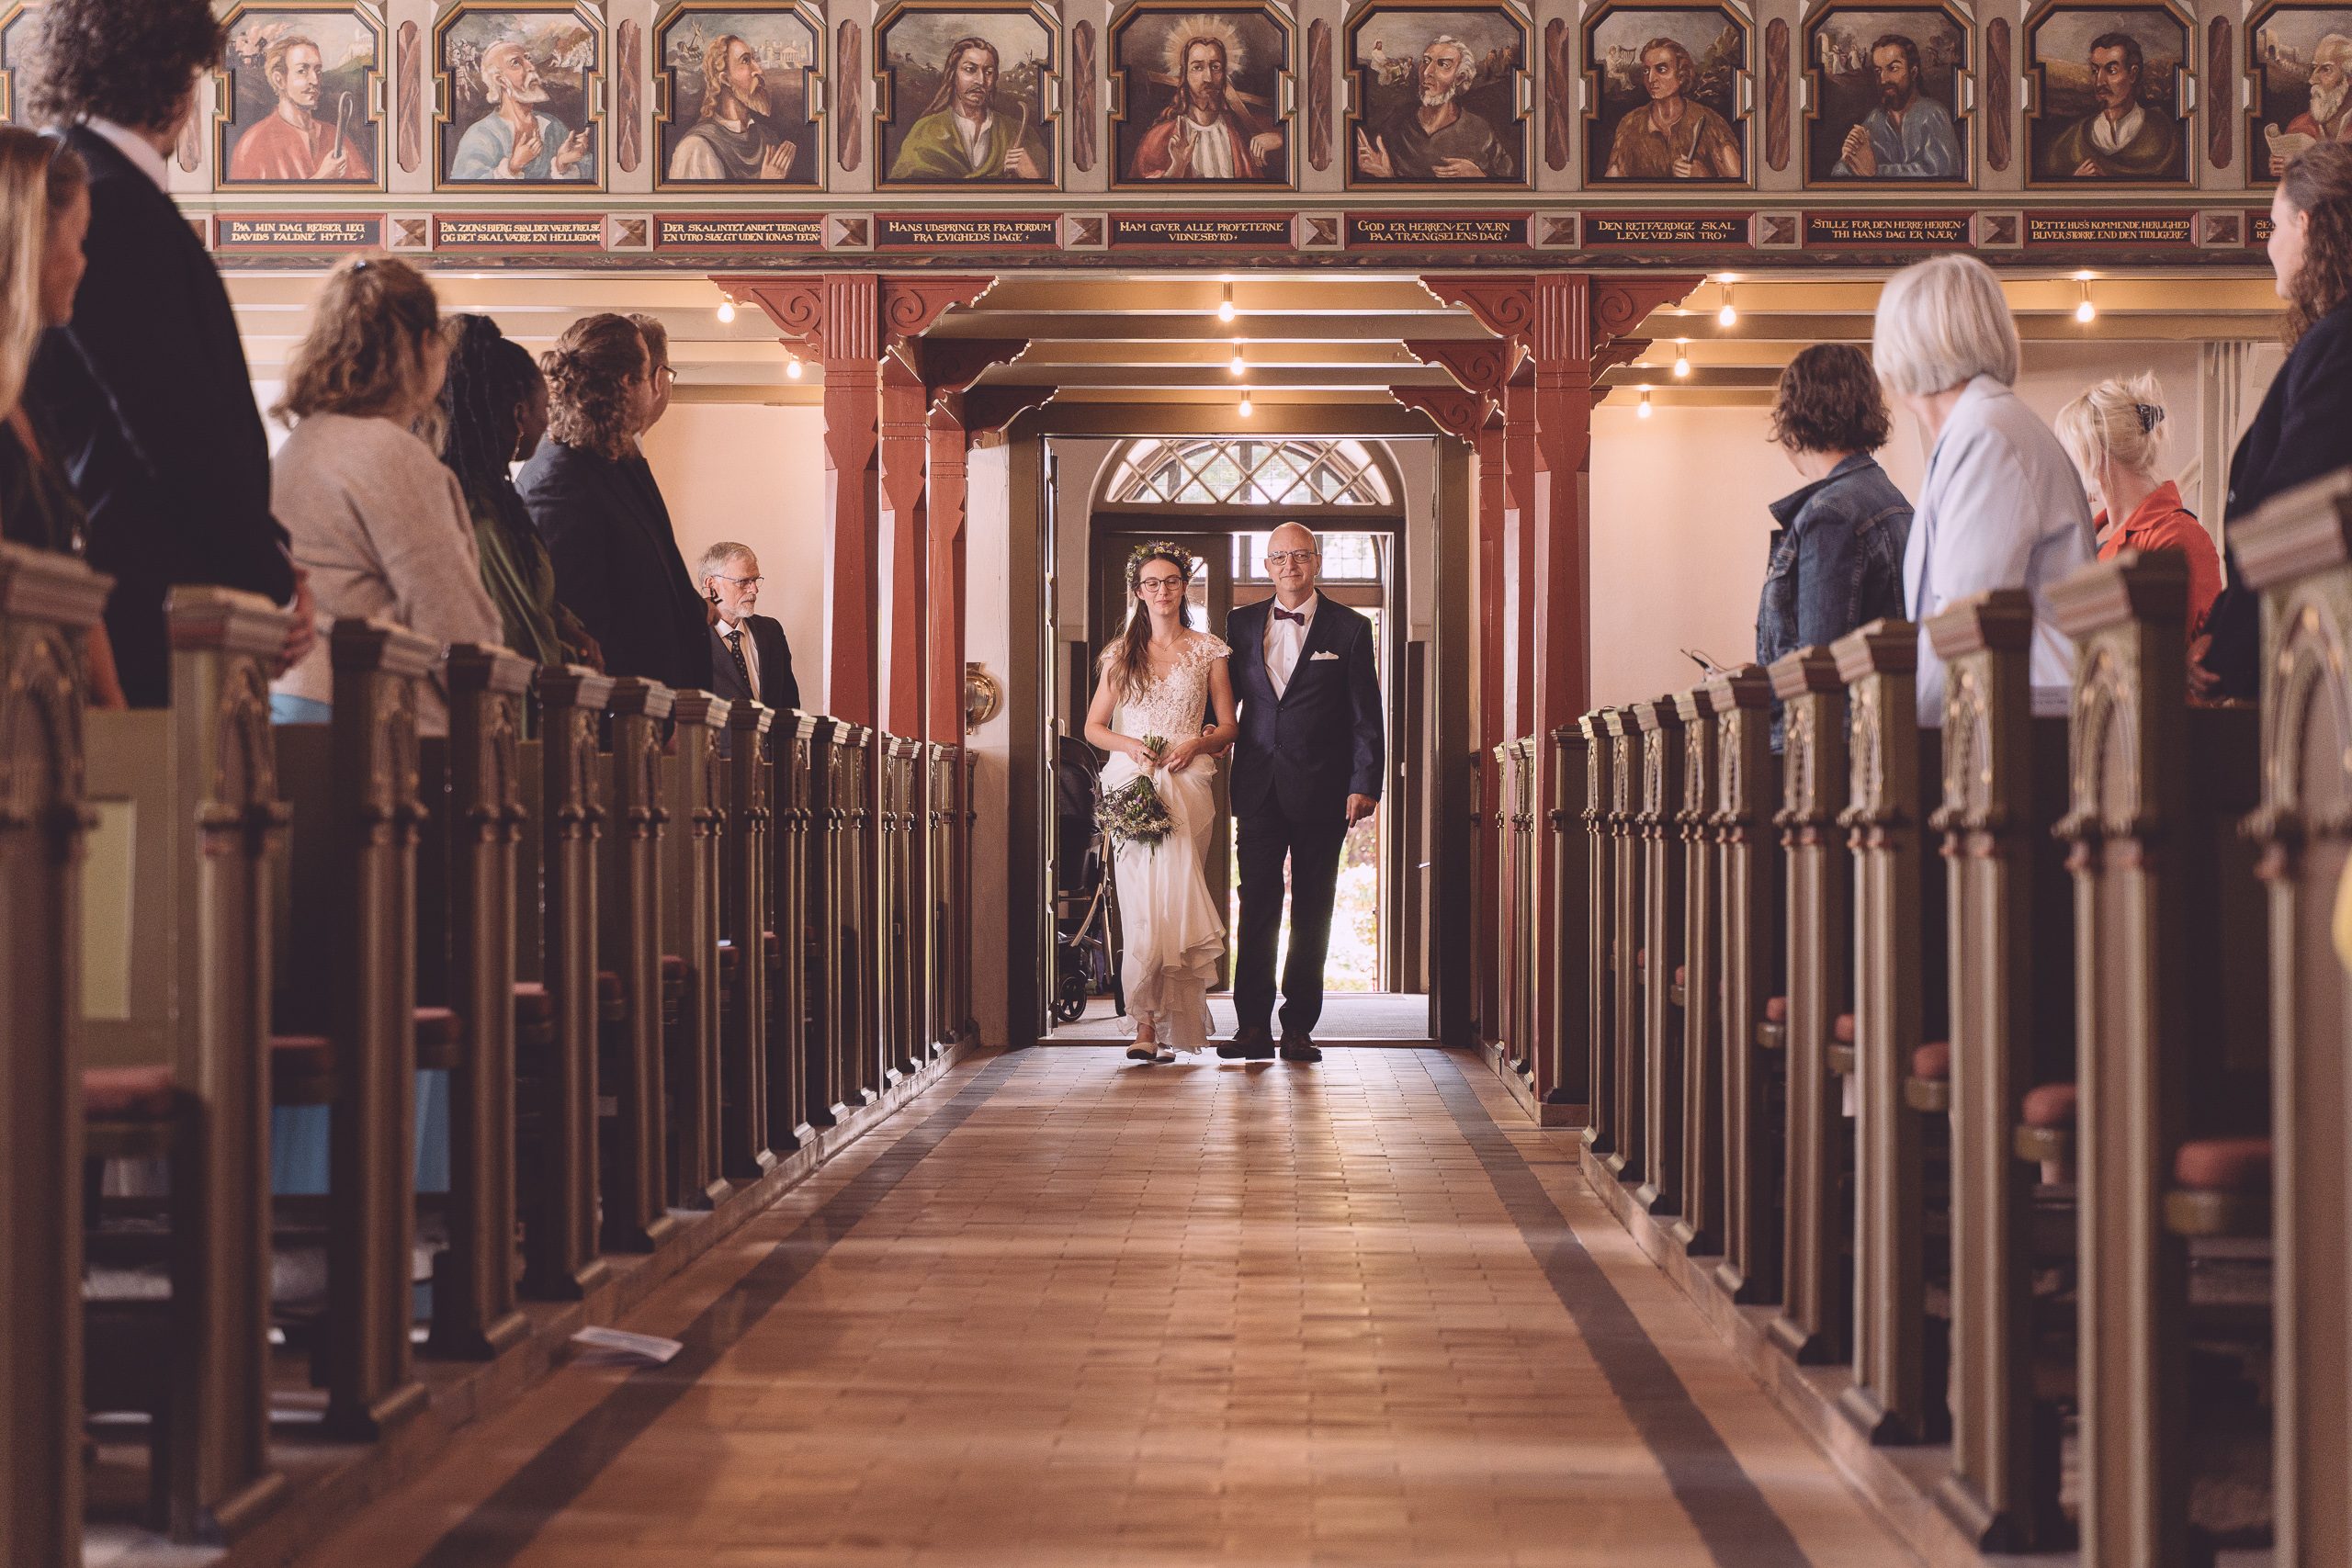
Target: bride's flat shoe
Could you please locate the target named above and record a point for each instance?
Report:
(1144, 1054)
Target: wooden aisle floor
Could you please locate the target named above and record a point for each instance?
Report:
(1069, 1312)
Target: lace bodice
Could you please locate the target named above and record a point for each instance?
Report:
(1174, 705)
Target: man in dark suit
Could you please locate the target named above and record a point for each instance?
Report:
(750, 658)
(1306, 768)
(146, 387)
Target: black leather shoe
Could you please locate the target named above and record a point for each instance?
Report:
(1248, 1045)
(1299, 1048)
(1143, 1052)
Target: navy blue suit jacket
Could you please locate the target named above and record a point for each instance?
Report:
(1320, 741)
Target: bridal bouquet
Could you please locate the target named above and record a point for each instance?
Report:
(1134, 813)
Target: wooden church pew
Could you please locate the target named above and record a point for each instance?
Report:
(694, 789)
(1698, 976)
(2298, 551)
(745, 1151)
(903, 927)
(1658, 952)
(1898, 1005)
(477, 823)
(1748, 879)
(830, 1073)
(789, 1121)
(1565, 981)
(852, 954)
(629, 944)
(939, 870)
(1599, 1032)
(2166, 904)
(1625, 915)
(1812, 1325)
(2012, 1004)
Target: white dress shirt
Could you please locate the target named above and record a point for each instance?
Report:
(2002, 507)
(1287, 640)
(137, 148)
(751, 653)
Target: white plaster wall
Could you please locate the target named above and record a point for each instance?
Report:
(755, 474)
(988, 640)
(1680, 526)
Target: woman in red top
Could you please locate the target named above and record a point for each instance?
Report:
(2115, 434)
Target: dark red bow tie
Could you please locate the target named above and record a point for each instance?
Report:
(1283, 614)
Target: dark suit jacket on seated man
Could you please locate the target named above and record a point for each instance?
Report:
(750, 660)
(1308, 766)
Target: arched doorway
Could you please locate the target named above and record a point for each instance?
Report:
(1219, 496)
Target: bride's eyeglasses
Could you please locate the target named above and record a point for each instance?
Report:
(1155, 584)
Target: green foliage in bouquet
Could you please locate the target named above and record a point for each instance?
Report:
(1134, 813)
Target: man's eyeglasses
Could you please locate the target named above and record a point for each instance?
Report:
(1285, 558)
(666, 374)
(739, 581)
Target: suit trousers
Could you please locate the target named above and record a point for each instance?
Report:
(1263, 841)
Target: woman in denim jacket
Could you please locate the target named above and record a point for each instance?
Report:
(1837, 553)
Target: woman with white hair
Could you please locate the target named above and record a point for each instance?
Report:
(2001, 506)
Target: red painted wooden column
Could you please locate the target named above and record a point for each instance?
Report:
(906, 452)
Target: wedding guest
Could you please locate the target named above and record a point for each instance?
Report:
(146, 388)
(2304, 428)
(493, 413)
(1837, 556)
(751, 657)
(380, 524)
(616, 560)
(2001, 506)
(665, 374)
(2115, 434)
(44, 211)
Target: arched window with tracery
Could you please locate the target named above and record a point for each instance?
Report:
(1241, 471)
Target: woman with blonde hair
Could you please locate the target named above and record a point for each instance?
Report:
(2115, 434)
(596, 504)
(2001, 506)
(380, 524)
(44, 214)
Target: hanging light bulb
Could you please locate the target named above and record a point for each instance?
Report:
(1727, 316)
(1644, 411)
(1224, 311)
(726, 312)
(2084, 311)
(1238, 365)
(1245, 411)
(792, 366)
(1681, 358)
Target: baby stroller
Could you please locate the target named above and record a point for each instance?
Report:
(1086, 932)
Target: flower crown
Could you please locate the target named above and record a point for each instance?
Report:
(1152, 549)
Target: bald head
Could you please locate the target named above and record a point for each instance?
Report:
(1292, 558)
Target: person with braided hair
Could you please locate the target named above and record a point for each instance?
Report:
(493, 413)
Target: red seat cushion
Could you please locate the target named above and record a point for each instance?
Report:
(301, 1053)
(729, 961)
(1642, 958)
(1932, 1061)
(2050, 1105)
(1842, 1030)
(2223, 1165)
(673, 970)
(532, 1003)
(1776, 1009)
(439, 1028)
(127, 1094)
(609, 988)
(772, 948)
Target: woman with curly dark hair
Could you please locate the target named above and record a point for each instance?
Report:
(1837, 554)
(617, 562)
(2303, 428)
(493, 414)
(146, 387)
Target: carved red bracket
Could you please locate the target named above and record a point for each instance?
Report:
(1483, 366)
(1457, 412)
(1616, 352)
(1620, 304)
(1504, 305)
(909, 305)
(951, 364)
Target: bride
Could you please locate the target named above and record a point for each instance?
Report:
(1159, 681)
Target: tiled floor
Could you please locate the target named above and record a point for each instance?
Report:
(1068, 1311)
(1350, 1018)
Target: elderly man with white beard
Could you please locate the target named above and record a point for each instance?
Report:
(1438, 140)
(515, 141)
(2327, 119)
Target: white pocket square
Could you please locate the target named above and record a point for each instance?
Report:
(1313, 657)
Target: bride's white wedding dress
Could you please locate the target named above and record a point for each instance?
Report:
(1170, 928)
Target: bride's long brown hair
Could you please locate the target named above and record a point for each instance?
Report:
(1129, 659)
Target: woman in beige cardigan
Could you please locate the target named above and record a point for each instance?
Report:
(374, 519)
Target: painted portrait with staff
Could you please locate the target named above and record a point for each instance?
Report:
(966, 96)
(1670, 88)
(300, 83)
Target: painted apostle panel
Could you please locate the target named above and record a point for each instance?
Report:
(1437, 97)
(298, 91)
(1885, 98)
(518, 90)
(1667, 85)
(2107, 95)
(1202, 96)
(20, 43)
(738, 111)
(2302, 55)
(965, 102)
